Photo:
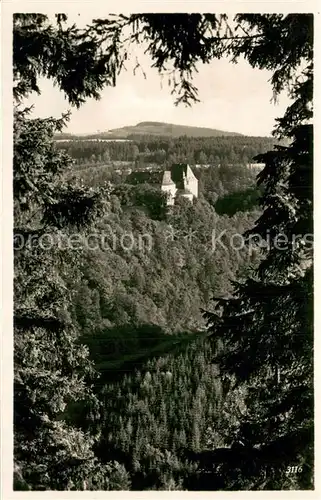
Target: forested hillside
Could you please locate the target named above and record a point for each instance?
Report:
(164, 129)
(139, 309)
(144, 149)
(161, 270)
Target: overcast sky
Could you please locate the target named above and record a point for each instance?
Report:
(234, 97)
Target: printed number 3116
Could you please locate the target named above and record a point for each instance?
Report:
(293, 469)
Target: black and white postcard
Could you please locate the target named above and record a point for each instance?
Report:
(158, 283)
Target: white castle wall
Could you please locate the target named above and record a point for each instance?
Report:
(170, 190)
(191, 183)
(188, 196)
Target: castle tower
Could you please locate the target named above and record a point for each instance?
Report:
(168, 187)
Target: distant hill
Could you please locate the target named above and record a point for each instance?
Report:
(166, 129)
(151, 128)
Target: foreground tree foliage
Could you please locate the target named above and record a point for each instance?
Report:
(52, 370)
(265, 328)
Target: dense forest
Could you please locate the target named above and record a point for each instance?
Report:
(169, 269)
(147, 355)
(140, 313)
(227, 183)
(144, 150)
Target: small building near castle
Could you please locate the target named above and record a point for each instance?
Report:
(179, 181)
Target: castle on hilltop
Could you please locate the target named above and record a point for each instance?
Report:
(179, 181)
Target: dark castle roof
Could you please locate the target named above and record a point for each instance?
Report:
(161, 177)
(177, 172)
(146, 177)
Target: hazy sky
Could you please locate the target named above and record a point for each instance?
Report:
(234, 97)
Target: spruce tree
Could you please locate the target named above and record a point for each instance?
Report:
(267, 325)
(52, 368)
